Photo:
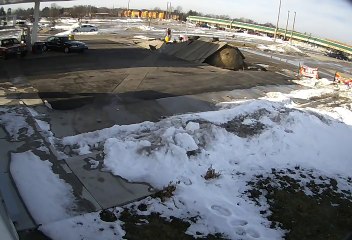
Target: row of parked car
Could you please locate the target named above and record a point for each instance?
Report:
(12, 47)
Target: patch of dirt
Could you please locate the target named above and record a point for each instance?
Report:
(326, 214)
(242, 44)
(237, 127)
(166, 193)
(155, 227)
(211, 174)
(107, 216)
(329, 102)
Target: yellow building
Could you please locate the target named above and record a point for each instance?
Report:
(145, 14)
(161, 15)
(175, 17)
(126, 13)
(136, 14)
(148, 14)
(154, 15)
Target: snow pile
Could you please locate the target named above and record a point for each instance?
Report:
(275, 48)
(16, 129)
(129, 20)
(88, 226)
(68, 21)
(239, 142)
(308, 46)
(146, 28)
(86, 33)
(47, 197)
(66, 33)
(169, 143)
(252, 36)
(310, 93)
(312, 82)
(66, 27)
(281, 48)
(63, 34)
(143, 37)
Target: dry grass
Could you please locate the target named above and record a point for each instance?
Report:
(211, 174)
(166, 193)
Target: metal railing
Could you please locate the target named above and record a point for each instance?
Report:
(263, 29)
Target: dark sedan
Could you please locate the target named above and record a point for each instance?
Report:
(338, 55)
(64, 44)
(12, 47)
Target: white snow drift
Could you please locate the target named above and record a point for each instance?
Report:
(47, 197)
(180, 149)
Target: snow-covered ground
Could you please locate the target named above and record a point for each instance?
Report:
(16, 129)
(239, 141)
(308, 46)
(156, 29)
(281, 48)
(47, 197)
(10, 33)
(105, 26)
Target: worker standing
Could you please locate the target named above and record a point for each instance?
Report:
(168, 35)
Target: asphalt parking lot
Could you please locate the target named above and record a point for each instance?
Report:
(115, 82)
(112, 61)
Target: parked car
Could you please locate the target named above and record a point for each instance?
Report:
(21, 23)
(64, 44)
(86, 28)
(12, 47)
(338, 55)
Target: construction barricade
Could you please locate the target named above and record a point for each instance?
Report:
(305, 71)
(343, 78)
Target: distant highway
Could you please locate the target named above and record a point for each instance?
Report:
(296, 35)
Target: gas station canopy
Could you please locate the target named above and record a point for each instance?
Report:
(36, 12)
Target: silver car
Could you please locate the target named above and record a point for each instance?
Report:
(86, 28)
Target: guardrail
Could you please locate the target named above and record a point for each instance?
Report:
(296, 35)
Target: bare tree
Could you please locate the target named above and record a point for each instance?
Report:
(2, 11)
(54, 10)
(178, 10)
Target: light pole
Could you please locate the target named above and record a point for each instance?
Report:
(277, 23)
(288, 17)
(168, 10)
(293, 27)
(128, 5)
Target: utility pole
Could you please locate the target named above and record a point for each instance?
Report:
(167, 10)
(128, 5)
(170, 10)
(288, 17)
(277, 23)
(293, 27)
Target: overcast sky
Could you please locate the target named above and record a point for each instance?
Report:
(325, 18)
